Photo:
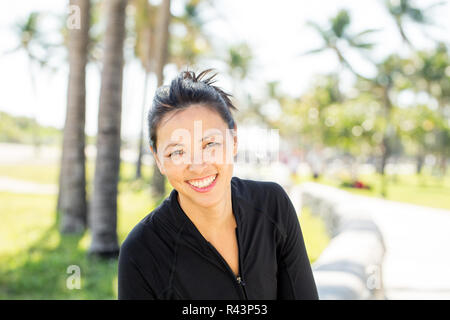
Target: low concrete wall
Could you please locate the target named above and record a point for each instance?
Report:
(350, 268)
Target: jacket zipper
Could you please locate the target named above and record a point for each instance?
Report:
(242, 285)
(239, 279)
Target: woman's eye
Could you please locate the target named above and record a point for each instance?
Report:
(210, 144)
(176, 153)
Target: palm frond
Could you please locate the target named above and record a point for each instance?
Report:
(323, 33)
(434, 5)
(416, 15)
(17, 48)
(363, 45)
(366, 32)
(314, 51)
(340, 23)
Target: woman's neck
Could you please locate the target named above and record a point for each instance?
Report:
(212, 219)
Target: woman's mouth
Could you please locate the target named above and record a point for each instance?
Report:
(204, 184)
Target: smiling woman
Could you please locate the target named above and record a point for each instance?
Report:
(216, 236)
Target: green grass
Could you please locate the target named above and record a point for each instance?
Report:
(34, 256)
(39, 173)
(314, 234)
(425, 189)
(49, 173)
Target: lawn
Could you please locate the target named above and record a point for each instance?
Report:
(34, 256)
(425, 189)
(314, 233)
(49, 173)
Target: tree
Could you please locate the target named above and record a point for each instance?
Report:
(191, 43)
(403, 11)
(336, 34)
(389, 78)
(35, 48)
(161, 57)
(429, 73)
(418, 126)
(238, 59)
(144, 50)
(72, 182)
(103, 209)
(181, 49)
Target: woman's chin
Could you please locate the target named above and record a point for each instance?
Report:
(204, 200)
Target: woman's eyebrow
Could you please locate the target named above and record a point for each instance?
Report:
(173, 145)
(209, 136)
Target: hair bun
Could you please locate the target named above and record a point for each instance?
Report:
(201, 78)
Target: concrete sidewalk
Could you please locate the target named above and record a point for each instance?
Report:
(417, 259)
(23, 186)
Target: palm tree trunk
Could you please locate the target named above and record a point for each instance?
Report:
(419, 164)
(161, 53)
(346, 64)
(385, 155)
(103, 210)
(141, 133)
(401, 30)
(72, 182)
(36, 141)
(385, 144)
(443, 165)
(144, 22)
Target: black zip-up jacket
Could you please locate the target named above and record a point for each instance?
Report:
(166, 257)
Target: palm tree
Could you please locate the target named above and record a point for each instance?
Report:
(161, 57)
(336, 34)
(403, 11)
(390, 70)
(162, 40)
(432, 71)
(185, 49)
(154, 49)
(144, 50)
(103, 210)
(239, 59)
(72, 182)
(31, 42)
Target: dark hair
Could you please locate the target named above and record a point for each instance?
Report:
(185, 90)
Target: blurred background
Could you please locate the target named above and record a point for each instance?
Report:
(353, 96)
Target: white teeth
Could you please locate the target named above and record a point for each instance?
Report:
(203, 183)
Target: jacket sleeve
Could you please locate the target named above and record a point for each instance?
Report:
(295, 277)
(132, 284)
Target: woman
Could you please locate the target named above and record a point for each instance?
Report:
(216, 236)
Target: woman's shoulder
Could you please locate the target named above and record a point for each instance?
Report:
(151, 229)
(268, 198)
(140, 234)
(258, 190)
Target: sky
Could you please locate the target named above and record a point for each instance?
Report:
(275, 30)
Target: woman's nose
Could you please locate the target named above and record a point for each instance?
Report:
(197, 167)
(197, 162)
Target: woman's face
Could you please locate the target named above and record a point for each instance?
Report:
(195, 152)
